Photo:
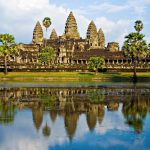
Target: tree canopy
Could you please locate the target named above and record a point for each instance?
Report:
(47, 54)
(96, 63)
(135, 47)
(47, 22)
(7, 47)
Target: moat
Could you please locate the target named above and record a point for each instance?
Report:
(74, 116)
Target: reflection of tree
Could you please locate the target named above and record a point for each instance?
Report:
(46, 130)
(113, 106)
(48, 101)
(7, 112)
(135, 112)
(37, 113)
(96, 96)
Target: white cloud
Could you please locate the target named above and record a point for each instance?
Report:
(107, 7)
(18, 17)
(114, 30)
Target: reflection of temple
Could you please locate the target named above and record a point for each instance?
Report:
(71, 51)
(70, 103)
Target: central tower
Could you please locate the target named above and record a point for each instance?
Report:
(71, 29)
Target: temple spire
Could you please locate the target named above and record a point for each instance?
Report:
(38, 34)
(92, 36)
(71, 29)
(101, 39)
(53, 35)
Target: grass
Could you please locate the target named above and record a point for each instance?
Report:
(123, 76)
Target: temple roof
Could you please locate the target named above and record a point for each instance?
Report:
(98, 52)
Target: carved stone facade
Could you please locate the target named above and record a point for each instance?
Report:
(71, 30)
(72, 52)
(38, 34)
(53, 35)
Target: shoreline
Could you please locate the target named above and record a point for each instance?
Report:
(73, 76)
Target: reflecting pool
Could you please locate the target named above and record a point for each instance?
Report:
(74, 116)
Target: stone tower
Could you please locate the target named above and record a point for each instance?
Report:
(113, 46)
(101, 39)
(92, 37)
(53, 35)
(71, 30)
(38, 34)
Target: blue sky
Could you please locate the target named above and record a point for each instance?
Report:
(115, 17)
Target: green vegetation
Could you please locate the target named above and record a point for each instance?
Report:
(135, 47)
(96, 95)
(7, 47)
(46, 23)
(96, 63)
(72, 76)
(47, 55)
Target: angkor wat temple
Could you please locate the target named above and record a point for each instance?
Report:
(72, 52)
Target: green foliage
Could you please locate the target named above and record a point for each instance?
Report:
(7, 113)
(96, 96)
(46, 22)
(7, 47)
(96, 63)
(7, 44)
(47, 54)
(138, 25)
(135, 47)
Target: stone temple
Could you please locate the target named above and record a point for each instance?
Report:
(71, 51)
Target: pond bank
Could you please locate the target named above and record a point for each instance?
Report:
(72, 76)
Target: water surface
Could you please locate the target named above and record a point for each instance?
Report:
(74, 116)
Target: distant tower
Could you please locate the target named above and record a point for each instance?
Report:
(113, 46)
(38, 34)
(101, 39)
(53, 35)
(92, 37)
(71, 29)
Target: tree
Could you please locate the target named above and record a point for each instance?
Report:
(7, 47)
(135, 47)
(96, 63)
(46, 24)
(47, 54)
(46, 130)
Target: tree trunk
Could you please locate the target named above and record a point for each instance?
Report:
(134, 73)
(46, 38)
(5, 65)
(96, 71)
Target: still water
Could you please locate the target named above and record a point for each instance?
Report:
(74, 116)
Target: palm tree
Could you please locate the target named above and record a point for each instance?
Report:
(7, 47)
(135, 47)
(46, 130)
(138, 26)
(46, 24)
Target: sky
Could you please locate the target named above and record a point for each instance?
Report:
(115, 17)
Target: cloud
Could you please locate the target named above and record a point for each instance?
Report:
(114, 30)
(18, 17)
(107, 7)
(138, 6)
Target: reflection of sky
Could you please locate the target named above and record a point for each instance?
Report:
(112, 133)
